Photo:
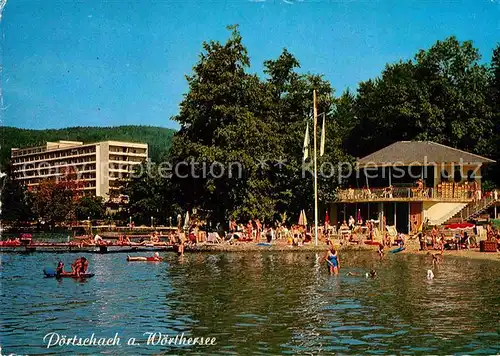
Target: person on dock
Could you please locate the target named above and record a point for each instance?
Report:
(98, 239)
(154, 237)
(333, 261)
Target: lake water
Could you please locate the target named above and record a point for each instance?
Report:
(254, 303)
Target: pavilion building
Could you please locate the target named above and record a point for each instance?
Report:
(411, 182)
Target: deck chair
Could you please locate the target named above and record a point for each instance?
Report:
(214, 238)
(393, 233)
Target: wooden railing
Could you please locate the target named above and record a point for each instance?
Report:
(476, 207)
(398, 193)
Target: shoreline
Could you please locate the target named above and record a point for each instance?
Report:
(252, 247)
(279, 246)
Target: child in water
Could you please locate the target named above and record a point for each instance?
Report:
(60, 269)
(333, 261)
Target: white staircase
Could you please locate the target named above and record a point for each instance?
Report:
(456, 207)
(475, 208)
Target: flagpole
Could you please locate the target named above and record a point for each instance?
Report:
(315, 171)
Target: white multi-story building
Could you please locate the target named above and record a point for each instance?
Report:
(98, 167)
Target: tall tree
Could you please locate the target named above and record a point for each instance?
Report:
(441, 95)
(90, 207)
(222, 130)
(15, 202)
(149, 194)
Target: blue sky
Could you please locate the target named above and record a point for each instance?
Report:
(94, 63)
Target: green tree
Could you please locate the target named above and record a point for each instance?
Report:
(222, 126)
(149, 194)
(15, 202)
(441, 96)
(291, 109)
(90, 206)
(53, 201)
(229, 116)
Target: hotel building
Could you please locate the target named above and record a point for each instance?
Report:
(97, 167)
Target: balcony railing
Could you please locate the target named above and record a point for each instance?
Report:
(399, 193)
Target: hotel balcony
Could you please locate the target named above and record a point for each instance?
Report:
(402, 194)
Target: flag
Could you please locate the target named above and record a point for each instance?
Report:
(306, 144)
(323, 134)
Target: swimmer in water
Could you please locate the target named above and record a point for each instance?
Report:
(380, 250)
(333, 261)
(371, 274)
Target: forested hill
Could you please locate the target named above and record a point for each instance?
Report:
(158, 138)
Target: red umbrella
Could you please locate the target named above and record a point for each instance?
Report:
(460, 226)
(327, 219)
(359, 214)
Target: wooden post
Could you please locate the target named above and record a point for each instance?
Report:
(315, 172)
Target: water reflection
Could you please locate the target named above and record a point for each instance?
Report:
(256, 303)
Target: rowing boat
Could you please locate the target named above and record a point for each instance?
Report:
(52, 274)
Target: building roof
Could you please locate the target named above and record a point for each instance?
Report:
(420, 152)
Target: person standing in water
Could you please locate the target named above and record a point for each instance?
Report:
(60, 269)
(333, 261)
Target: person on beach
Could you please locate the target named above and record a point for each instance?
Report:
(258, 229)
(434, 235)
(333, 261)
(352, 223)
(422, 240)
(269, 234)
(233, 227)
(249, 229)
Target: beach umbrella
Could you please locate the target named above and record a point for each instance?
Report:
(305, 218)
(186, 221)
(301, 218)
(327, 219)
